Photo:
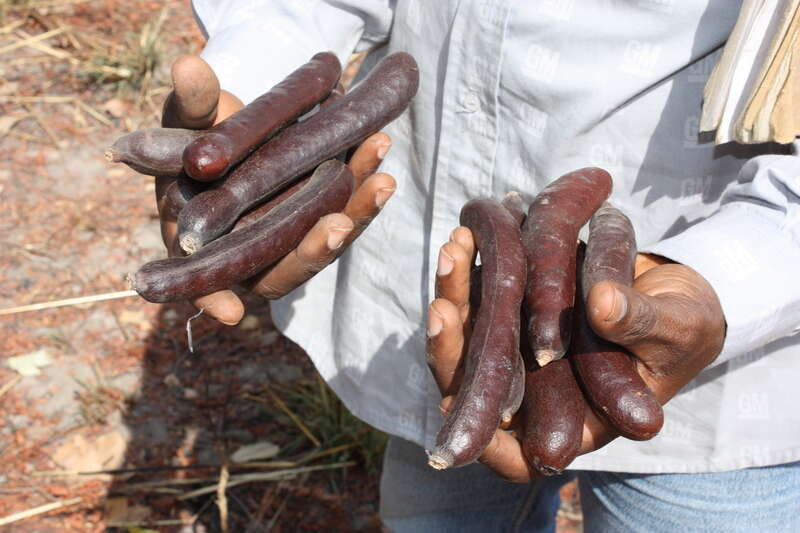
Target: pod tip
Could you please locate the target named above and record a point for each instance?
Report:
(131, 279)
(440, 460)
(547, 356)
(190, 243)
(111, 155)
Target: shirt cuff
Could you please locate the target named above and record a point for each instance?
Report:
(751, 263)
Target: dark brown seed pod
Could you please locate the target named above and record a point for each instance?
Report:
(253, 216)
(337, 93)
(153, 151)
(550, 236)
(242, 254)
(516, 392)
(174, 193)
(553, 411)
(513, 204)
(494, 344)
(606, 371)
(211, 155)
(377, 100)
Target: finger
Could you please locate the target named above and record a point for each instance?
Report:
(645, 262)
(504, 456)
(227, 106)
(452, 276)
(621, 314)
(366, 202)
(596, 433)
(169, 234)
(368, 156)
(223, 306)
(445, 345)
(463, 237)
(649, 325)
(195, 95)
(316, 250)
(196, 101)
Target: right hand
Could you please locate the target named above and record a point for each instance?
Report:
(187, 106)
(448, 336)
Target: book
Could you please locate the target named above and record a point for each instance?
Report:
(753, 93)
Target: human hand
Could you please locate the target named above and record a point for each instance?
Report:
(670, 320)
(328, 239)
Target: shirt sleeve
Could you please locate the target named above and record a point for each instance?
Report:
(253, 44)
(749, 251)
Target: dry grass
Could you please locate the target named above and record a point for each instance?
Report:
(311, 414)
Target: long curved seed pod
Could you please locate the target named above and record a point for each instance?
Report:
(173, 193)
(607, 372)
(255, 215)
(553, 412)
(210, 156)
(513, 204)
(377, 100)
(153, 151)
(241, 254)
(489, 367)
(550, 236)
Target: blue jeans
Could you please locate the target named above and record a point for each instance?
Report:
(416, 498)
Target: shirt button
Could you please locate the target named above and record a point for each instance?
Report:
(471, 102)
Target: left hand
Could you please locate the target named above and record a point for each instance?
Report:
(326, 240)
(670, 320)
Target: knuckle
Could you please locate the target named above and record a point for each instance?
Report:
(268, 290)
(641, 324)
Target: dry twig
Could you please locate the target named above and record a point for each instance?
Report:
(30, 40)
(222, 500)
(283, 407)
(69, 301)
(8, 386)
(22, 515)
(264, 476)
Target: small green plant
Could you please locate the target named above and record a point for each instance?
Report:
(319, 412)
(129, 66)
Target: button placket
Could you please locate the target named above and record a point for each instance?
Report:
(468, 133)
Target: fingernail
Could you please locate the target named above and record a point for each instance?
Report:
(619, 307)
(445, 264)
(382, 196)
(383, 149)
(336, 237)
(435, 323)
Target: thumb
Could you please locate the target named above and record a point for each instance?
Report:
(625, 316)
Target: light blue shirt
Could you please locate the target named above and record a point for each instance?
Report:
(513, 94)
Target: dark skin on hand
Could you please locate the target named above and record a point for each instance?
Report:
(188, 106)
(670, 320)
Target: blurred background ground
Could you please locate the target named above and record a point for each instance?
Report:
(105, 415)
